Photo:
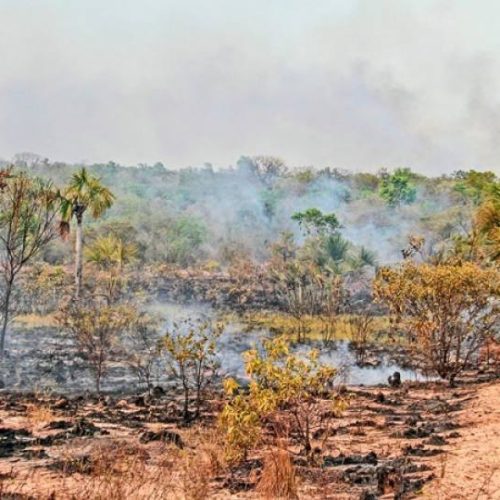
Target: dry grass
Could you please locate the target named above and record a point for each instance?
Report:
(35, 320)
(38, 414)
(122, 468)
(278, 479)
(314, 325)
(200, 464)
(115, 470)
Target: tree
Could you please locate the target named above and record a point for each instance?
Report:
(84, 192)
(141, 346)
(482, 242)
(291, 391)
(313, 221)
(397, 189)
(445, 310)
(28, 207)
(361, 327)
(96, 329)
(110, 254)
(299, 287)
(487, 225)
(190, 351)
(42, 287)
(478, 186)
(267, 168)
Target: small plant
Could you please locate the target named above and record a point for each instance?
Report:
(110, 255)
(292, 392)
(141, 345)
(361, 327)
(95, 328)
(278, 478)
(38, 413)
(191, 359)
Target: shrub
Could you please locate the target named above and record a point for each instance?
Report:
(191, 359)
(95, 328)
(445, 310)
(291, 392)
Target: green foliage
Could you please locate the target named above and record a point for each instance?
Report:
(367, 257)
(336, 248)
(183, 238)
(42, 288)
(110, 255)
(478, 186)
(84, 192)
(313, 221)
(110, 251)
(28, 207)
(270, 199)
(482, 242)
(397, 189)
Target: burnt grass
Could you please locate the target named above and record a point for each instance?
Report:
(385, 445)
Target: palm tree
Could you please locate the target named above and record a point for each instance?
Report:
(110, 254)
(111, 251)
(83, 192)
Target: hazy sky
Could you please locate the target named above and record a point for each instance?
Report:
(354, 84)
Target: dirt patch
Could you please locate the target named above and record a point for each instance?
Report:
(417, 439)
(470, 468)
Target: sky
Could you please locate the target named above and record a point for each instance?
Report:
(354, 84)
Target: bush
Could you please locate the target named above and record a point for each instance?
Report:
(293, 393)
(446, 311)
(191, 359)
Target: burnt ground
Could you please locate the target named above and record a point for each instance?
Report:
(421, 438)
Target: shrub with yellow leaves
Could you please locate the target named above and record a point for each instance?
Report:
(291, 393)
(446, 310)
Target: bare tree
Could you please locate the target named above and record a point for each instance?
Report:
(96, 328)
(190, 355)
(28, 207)
(141, 344)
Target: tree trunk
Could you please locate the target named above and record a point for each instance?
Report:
(186, 406)
(78, 255)
(5, 313)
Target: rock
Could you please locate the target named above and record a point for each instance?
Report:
(61, 404)
(367, 495)
(122, 404)
(437, 441)
(85, 428)
(31, 454)
(420, 451)
(139, 400)
(163, 435)
(380, 398)
(158, 391)
(12, 440)
(371, 362)
(413, 419)
(395, 379)
(369, 458)
(59, 424)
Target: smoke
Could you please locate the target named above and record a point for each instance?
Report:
(356, 84)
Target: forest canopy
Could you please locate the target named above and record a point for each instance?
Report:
(203, 216)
